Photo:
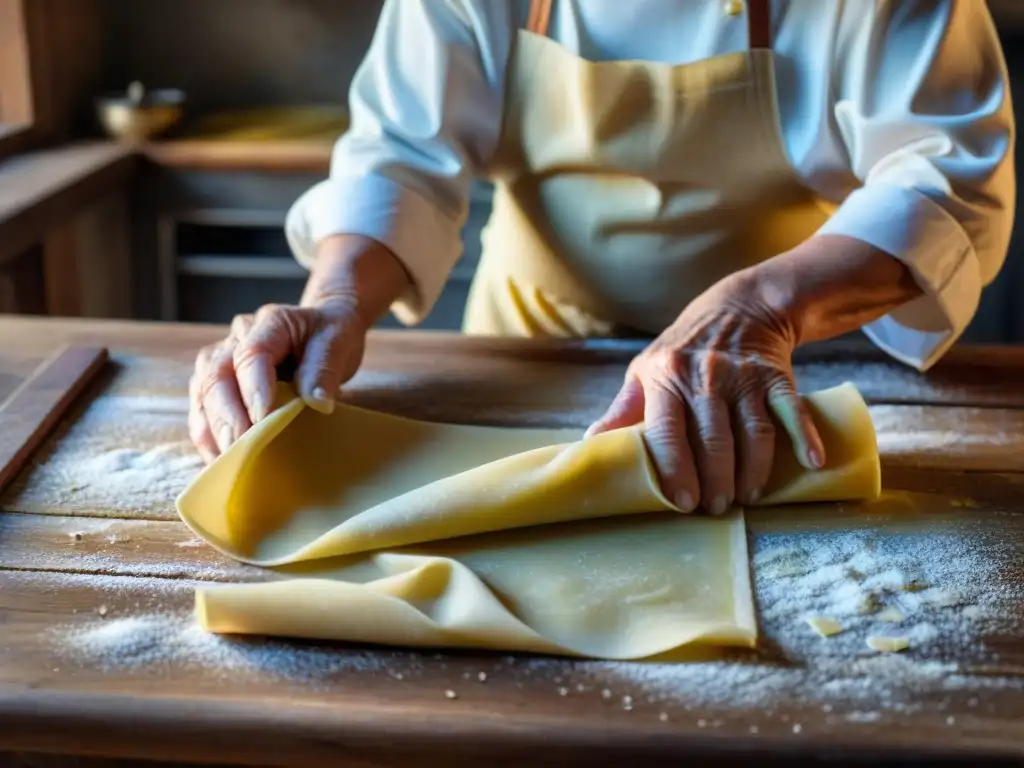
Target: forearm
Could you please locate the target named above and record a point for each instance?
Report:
(831, 285)
(358, 271)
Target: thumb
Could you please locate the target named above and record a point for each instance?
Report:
(626, 409)
(331, 357)
(795, 417)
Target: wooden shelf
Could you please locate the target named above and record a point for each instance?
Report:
(228, 217)
(42, 190)
(265, 156)
(261, 267)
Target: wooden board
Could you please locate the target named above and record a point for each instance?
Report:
(38, 405)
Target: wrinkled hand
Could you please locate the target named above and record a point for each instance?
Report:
(233, 386)
(705, 390)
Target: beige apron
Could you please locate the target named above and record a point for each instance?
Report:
(624, 189)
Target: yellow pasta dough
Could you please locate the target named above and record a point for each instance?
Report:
(516, 539)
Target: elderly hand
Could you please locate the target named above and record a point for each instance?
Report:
(233, 386)
(706, 390)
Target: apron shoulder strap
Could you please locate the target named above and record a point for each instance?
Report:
(540, 17)
(759, 21)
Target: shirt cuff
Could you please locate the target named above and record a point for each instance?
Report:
(919, 232)
(426, 241)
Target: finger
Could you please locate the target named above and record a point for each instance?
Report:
(666, 439)
(625, 410)
(198, 427)
(795, 417)
(329, 360)
(755, 434)
(217, 392)
(714, 450)
(200, 434)
(264, 341)
(240, 327)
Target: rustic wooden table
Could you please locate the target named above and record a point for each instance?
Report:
(99, 656)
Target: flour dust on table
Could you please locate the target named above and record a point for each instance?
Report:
(124, 454)
(948, 596)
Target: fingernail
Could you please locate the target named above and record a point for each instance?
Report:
(755, 495)
(719, 505)
(319, 401)
(685, 502)
(815, 458)
(259, 408)
(225, 437)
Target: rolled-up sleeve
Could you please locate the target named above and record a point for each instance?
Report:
(425, 110)
(924, 112)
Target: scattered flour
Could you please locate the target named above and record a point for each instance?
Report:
(164, 642)
(951, 592)
(126, 453)
(90, 548)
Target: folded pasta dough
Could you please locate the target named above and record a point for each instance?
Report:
(517, 539)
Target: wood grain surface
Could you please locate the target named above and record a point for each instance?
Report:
(100, 658)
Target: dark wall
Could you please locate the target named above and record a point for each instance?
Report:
(1000, 317)
(228, 53)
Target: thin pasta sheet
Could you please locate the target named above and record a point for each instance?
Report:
(385, 530)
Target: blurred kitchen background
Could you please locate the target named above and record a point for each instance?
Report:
(189, 227)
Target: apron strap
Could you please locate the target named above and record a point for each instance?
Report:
(539, 18)
(759, 21)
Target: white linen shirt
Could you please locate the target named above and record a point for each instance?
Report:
(898, 111)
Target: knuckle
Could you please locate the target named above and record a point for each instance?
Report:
(759, 430)
(245, 355)
(216, 423)
(667, 451)
(206, 383)
(204, 356)
(669, 362)
(272, 314)
(715, 443)
(241, 325)
(781, 387)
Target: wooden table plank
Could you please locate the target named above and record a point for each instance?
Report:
(967, 376)
(114, 547)
(127, 453)
(87, 639)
